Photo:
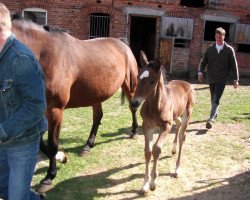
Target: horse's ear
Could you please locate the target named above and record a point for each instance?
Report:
(156, 65)
(143, 59)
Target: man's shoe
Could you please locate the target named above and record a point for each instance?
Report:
(42, 196)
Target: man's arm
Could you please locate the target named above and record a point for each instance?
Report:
(31, 87)
(202, 66)
(234, 67)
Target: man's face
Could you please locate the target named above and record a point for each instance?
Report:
(219, 38)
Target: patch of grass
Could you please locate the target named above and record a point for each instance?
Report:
(114, 169)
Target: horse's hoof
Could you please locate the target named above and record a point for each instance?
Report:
(173, 152)
(176, 175)
(61, 157)
(44, 188)
(152, 188)
(134, 136)
(65, 160)
(143, 192)
(84, 153)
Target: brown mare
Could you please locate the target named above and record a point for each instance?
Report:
(78, 73)
(163, 105)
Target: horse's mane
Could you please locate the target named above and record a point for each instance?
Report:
(29, 23)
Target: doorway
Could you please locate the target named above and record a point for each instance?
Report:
(143, 36)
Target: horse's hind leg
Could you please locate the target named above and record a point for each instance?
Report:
(97, 117)
(178, 125)
(55, 121)
(182, 135)
(156, 154)
(134, 133)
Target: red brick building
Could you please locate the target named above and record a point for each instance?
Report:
(178, 31)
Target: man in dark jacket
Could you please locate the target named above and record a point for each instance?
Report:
(220, 61)
(22, 113)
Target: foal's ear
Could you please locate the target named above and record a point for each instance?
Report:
(156, 65)
(143, 59)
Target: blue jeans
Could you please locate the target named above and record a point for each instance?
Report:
(17, 166)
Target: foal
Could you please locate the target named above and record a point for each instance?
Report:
(163, 105)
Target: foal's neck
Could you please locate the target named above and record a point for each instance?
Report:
(159, 91)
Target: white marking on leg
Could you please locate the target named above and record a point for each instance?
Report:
(145, 74)
(145, 187)
(60, 156)
(177, 170)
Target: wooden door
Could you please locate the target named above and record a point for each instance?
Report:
(166, 48)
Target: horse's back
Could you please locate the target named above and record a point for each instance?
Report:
(104, 65)
(183, 95)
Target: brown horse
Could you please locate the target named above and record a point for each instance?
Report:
(163, 105)
(78, 73)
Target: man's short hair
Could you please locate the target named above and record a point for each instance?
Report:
(221, 31)
(5, 19)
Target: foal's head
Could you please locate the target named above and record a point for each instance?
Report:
(149, 76)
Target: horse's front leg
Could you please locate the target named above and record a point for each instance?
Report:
(148, 135)
(156, 154)
(55, 116)
(97, 117)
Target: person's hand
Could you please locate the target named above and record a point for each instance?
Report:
(236, 84)
(200, 77)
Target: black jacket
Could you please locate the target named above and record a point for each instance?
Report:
(219, 65)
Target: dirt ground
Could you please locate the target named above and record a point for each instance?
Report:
(224, 178)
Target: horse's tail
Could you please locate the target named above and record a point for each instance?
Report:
(122, 98)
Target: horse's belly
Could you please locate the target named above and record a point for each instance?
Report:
(82, 96)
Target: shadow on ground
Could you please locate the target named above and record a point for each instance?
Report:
(234, 188)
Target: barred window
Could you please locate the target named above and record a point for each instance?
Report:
(181, 43)
(99, 25)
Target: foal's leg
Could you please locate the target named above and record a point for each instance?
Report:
(182, 135)
(178, 125)
(148, 135)
(55, 116)
(156, 154)
(97, 117)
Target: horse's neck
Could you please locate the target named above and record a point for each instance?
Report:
(158, 94)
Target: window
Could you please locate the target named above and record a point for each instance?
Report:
(36, 15)
(99, 25)
(214, 2)
(244, 48)
(210, 27)
(181, 43)
(181, 28)
(192, 3)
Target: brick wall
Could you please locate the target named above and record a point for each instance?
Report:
(73, 15)
(180, 58)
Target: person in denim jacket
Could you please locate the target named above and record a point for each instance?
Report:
(22, 113)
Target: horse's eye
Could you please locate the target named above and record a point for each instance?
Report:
(152, 82)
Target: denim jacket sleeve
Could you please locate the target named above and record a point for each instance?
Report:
(29, 84)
